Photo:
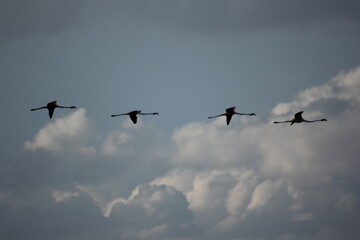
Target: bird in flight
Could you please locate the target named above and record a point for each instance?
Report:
(298, 119)
(51, 108)
(133, 115)
(230, 112)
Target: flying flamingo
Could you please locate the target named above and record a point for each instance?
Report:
(51, 108)
(133, 114)
(230, 112)
(298, 119)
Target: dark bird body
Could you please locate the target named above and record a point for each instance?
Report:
(133, 115)
(230, 112)
(51, 108)
(298, 119)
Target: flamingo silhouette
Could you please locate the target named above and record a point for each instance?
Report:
(230, 112)
(298, 119)
(133, 114)
(51, 108)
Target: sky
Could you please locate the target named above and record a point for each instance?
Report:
(179, 175)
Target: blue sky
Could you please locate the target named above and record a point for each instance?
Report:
(179, 175)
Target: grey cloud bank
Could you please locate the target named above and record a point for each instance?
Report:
(20, 18)
(248, 181)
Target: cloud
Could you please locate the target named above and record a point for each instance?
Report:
(263, 194)
(253, 180)
(112, 142)
(154, 212)
(61, 196)
(74, 218)
(249, 174)
(241, 17)
(21, 18)
(65, 134)
(344, 88)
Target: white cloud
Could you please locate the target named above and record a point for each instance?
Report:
(231, 175)
(208, 197)
(219, 145)
(246, 181)
(153, 212)
(109, 206)
(345, 86)
(263, 194)
(182, 180)
(70, 133)
(113, 143)
(240, 196)
(61, 196)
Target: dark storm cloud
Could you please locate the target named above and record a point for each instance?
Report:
(30, 208)
(231, 16)
(76, 219)
(19, 18)
(81, 218)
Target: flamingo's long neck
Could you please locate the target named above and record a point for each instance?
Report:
(57, 106)
(248, 114)
(288, 121)
(147, 113)
(311, 121)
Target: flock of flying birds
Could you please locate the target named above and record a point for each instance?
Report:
(228, 114)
